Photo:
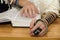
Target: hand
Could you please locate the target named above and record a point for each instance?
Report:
(29, 10)
(39, 24)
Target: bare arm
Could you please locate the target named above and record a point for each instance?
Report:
(20, 2)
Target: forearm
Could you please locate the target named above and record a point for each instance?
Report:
(20, 2)
(49, 18)
(23, 2)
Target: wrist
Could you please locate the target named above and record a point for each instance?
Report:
(27, 3)
(21, 2)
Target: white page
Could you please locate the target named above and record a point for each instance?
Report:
(21, 21)
(16, 19)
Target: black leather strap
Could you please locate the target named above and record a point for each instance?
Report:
(50, 18)
(38, 30)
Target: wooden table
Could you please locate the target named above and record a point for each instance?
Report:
(7, 31)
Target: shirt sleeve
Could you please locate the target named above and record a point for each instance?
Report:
(46, 6)
(52, 7)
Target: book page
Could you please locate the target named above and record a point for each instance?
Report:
(16, 19)
(21, 21)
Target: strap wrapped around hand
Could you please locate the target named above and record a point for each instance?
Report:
(38, 30)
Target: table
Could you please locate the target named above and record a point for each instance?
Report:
(7, 31)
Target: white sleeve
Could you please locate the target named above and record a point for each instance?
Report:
(47, 5)
(52, 7)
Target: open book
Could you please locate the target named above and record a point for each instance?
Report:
(16, 19)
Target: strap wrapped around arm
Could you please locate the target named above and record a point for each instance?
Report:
(48, 19)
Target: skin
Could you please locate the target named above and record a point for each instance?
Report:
(40, 25)
(30, 10)
(43, 25)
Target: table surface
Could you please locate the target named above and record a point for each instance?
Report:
(6, 30)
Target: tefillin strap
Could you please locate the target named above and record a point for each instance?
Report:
(10, 5)
(50, 17)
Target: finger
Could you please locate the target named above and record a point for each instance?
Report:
(24, 15)
(30, 13)
(32, 23)
(31, 33)
(42, 32)
(34, 13)
(42, 25)
(36, 9)
(26, 12)
(22, 11)
(36, 26)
